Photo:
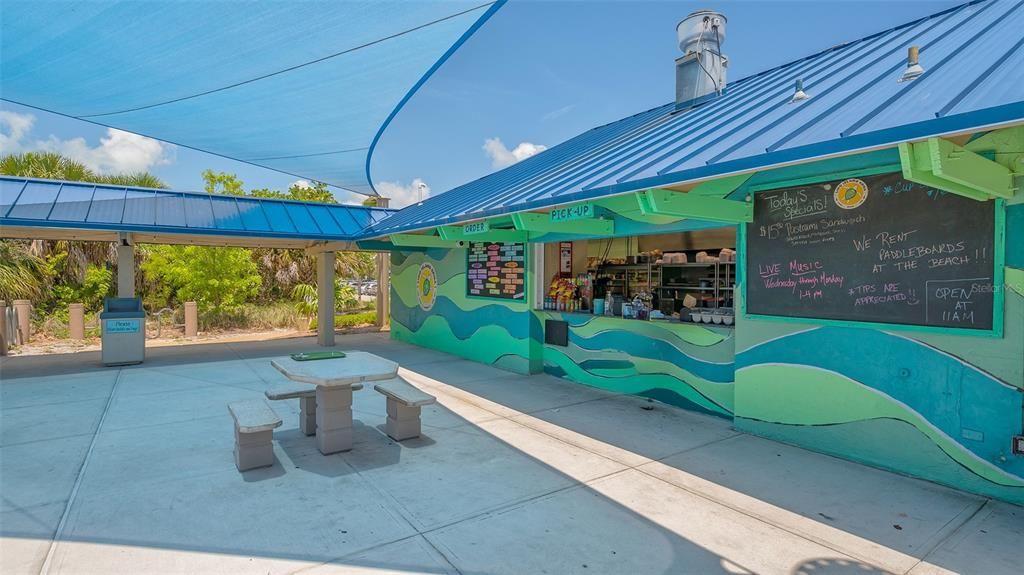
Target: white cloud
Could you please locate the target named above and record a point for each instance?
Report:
(13, 128)
(304, 184)
(118, 152)
(402, 195)
(502, 157)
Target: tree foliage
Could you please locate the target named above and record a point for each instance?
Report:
(56, 273)
(307, 298)
(22, 274)
(53, 166)
(222, 183)
(94, 287)
(218, 279)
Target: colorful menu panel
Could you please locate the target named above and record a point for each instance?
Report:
(874, 249)
(495, 269)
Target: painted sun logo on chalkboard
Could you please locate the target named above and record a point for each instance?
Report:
(850, 193)
(426, 286)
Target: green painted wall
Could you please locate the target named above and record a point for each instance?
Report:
(939, 406)
(492, 331)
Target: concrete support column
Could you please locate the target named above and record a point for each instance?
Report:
(76, 321)
(191, 319)
(325, 299)
(23, 311)
(383, 279)
(125, 267)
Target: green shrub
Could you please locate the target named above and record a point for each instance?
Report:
(355, 319)
(348, 320)
(220, 280)
(91, 292)
(251, 317)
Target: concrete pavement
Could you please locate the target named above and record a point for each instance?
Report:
(130, 470)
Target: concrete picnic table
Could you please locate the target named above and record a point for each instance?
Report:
(333, 379)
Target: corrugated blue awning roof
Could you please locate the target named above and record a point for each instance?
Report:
(305, 87)
(972, 54)
(34, 203)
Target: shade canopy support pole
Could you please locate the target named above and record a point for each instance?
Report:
(325, 299)
(125, 266)
(383, 280)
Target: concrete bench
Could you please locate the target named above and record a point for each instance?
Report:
(404, 403)
(254, 426)
(306, 394)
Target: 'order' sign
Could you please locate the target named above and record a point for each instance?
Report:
(476, 228)
(576, 212)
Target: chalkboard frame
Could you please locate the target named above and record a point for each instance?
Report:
(527, 250)
(998, 272)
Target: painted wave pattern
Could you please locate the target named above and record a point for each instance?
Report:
(628, 361)
(874, 376)
(464, 323)
(636, 345)
(494, 333)
(686, 334)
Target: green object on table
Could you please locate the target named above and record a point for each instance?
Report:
(316, 355)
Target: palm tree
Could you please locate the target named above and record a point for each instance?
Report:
(22, 275)
(138, 180)
(53, 166)
(49, 165)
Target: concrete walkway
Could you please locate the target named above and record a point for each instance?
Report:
(130, 471)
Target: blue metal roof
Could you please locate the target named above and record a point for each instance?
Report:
(305, 87)
(34, 203)
(972, 54)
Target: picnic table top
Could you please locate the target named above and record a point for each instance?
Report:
(355, 367)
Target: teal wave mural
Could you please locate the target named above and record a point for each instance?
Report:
(798, 386)
(680, 364)
(490, 331)
(937, 406)
(463, 322)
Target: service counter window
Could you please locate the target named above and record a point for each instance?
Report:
(686, 276)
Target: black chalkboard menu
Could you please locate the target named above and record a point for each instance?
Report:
(874, 249)
(495, 269)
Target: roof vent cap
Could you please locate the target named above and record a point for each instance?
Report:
(914, 69)
(798, 94)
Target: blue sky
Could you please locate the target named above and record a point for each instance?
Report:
(536, 74)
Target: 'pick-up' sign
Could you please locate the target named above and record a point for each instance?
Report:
(575, 212)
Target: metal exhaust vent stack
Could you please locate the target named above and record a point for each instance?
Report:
(700, 71)
(914, 68)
